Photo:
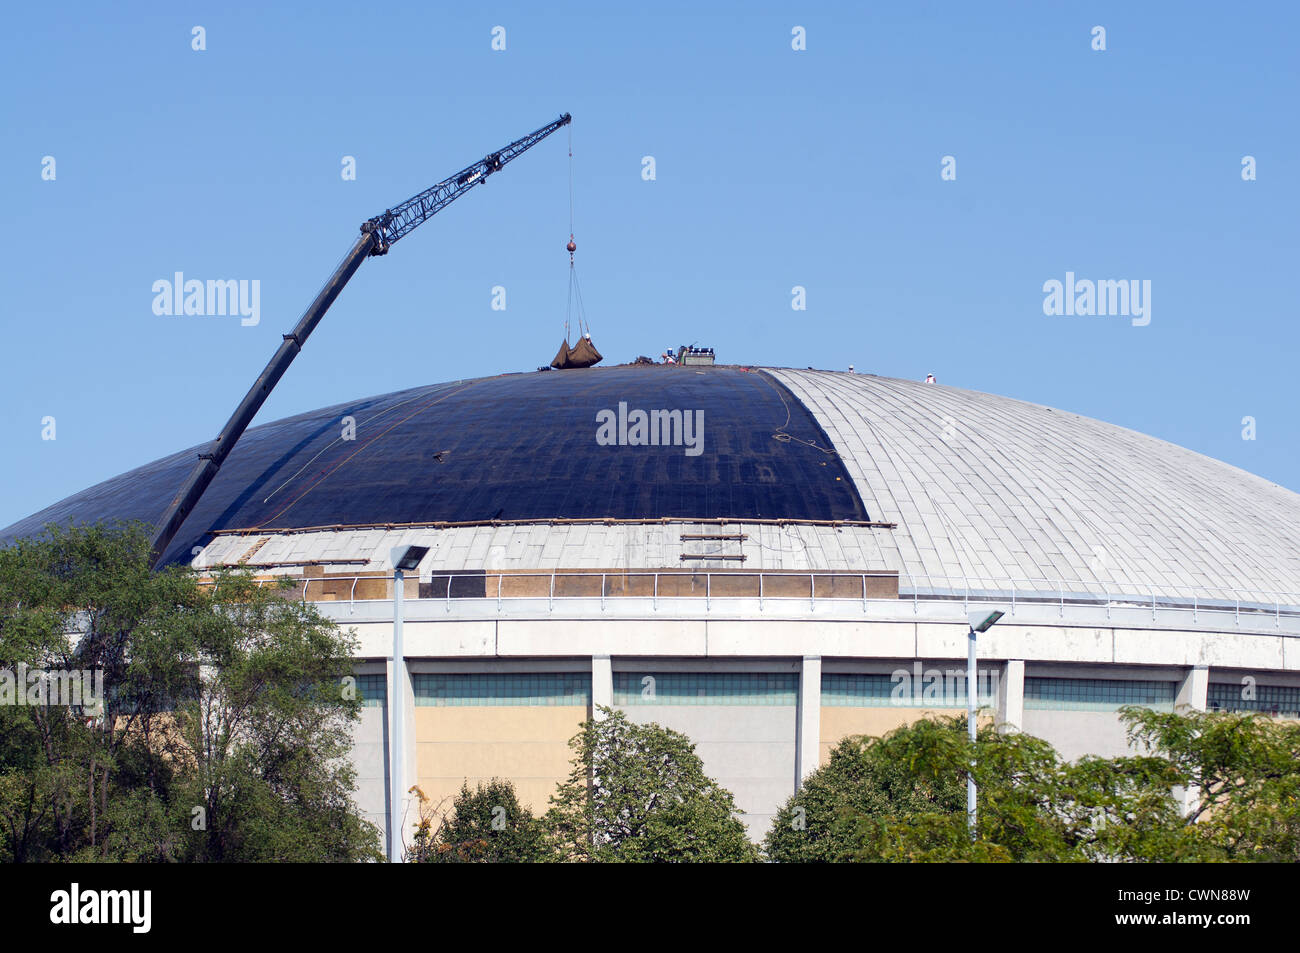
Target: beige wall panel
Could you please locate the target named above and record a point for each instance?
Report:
(841, 721)
(528, 745)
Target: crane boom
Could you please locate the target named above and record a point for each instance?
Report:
(377, 236)
(405, 218)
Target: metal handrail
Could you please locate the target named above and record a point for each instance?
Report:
(1011, 590)
(956, 585)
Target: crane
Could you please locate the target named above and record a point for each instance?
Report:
(377, 236)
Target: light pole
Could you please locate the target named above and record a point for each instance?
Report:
(405, 559)
(981, 620)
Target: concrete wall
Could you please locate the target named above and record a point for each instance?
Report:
(749, 750)
(1077, 733)
(369, 757)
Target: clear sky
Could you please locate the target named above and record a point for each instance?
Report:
(774, 167)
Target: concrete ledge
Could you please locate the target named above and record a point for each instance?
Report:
(854, 639)
(1198, 648)
(590, 637)
(448, 636)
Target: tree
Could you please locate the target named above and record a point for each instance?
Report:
(1032, 805)
(1240, 772)
(638, 793)
(222, 730)
(484, 826)
(815, 824)
(1236, 772)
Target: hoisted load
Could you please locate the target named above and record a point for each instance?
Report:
(583, 353)
(562, 355)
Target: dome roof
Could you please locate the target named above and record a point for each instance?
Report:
(984, 490)
(987, 489)
(513, 447)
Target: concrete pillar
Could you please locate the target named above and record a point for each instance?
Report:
(402, 809)
(808, 746)
(390, 762)
(1194, 689)
(602, 684)
(1011, 696)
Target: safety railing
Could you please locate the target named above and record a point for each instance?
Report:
(813, 588)
(1063, 594)
(570, 585)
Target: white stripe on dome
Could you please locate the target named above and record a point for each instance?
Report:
(986, 487)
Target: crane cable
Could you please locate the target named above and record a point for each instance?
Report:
(575, 290)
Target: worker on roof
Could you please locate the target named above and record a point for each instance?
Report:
(929, 379)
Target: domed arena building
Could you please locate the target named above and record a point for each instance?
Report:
(767, 560)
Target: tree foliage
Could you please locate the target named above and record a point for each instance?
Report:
(223, 731)
(1240, 773)
(900, 797)
(484, 826)
(638, 793)
(1032, 806)
(815, 825)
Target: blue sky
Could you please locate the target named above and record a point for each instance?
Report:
(774, 168)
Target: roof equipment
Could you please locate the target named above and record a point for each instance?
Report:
(699, 356)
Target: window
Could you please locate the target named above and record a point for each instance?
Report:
(372, 690)
(1097, 694)
(506, 688)
(706, 688)
(1281, 700)
(914, 687)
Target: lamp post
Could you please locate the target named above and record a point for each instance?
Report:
(980, 621)
(405, 559)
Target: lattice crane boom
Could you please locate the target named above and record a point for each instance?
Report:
(403, 219)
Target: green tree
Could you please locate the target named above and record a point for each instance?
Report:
(1240, 772)
(223, 731)
(1032, 805)
(484, 826)
(815, 824)
(638, 793)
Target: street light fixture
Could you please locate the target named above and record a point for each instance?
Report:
(981, 620)
(405, 559)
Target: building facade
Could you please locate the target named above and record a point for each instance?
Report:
(766, 560)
